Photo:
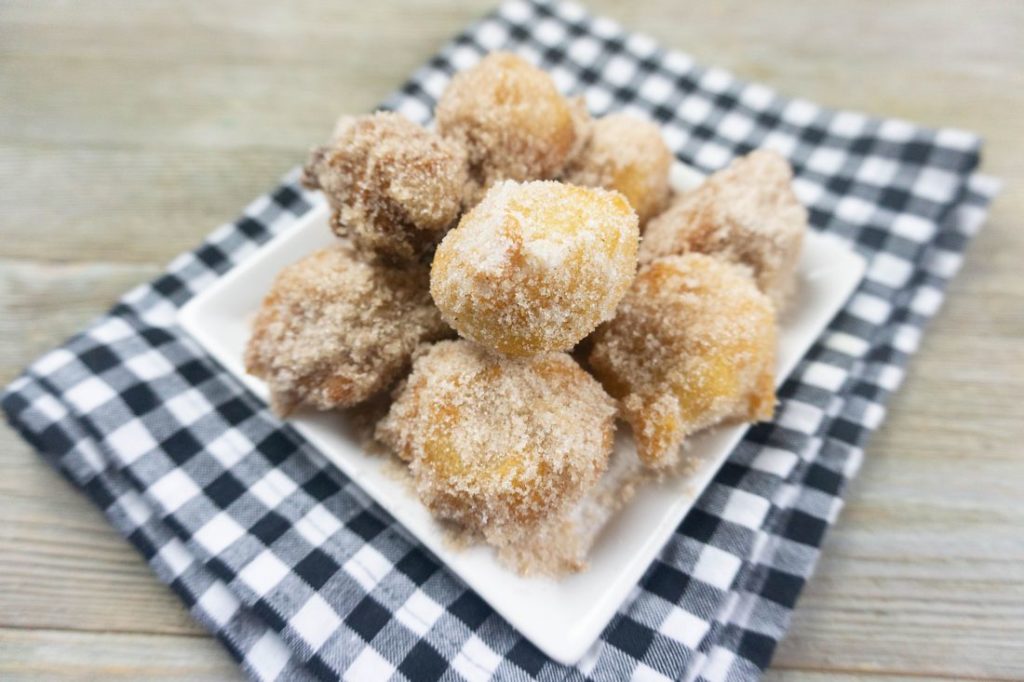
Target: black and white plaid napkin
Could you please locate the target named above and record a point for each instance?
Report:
(301, 576)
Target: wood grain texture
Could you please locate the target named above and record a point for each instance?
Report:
(128, 130)
(39, 655)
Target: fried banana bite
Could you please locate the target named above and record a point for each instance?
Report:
(394, 187)
(627, 154)
(536, 266)
(692, 345)
(495, 444)
(511, 120)
(335, 330)
(746, 214)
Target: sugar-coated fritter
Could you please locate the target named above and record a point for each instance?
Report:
(335, 330)
(536, 266)
(393, 186)
(627, 154)
(692, 345)
(511, 120)
(495, 444)
(746, 214)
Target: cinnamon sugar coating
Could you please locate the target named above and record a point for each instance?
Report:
(393, 186)
(504, 435)
(626, 154)
(536, 266)
(692, 345)
(335, 330)
(746, 214)
(510, 119)
(499, 445)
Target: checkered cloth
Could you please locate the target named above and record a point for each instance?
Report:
(301, 576)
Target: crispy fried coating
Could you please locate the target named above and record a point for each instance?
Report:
(746, 214)
(511, 120)
(335, 330)
(393, 186)
(495, 444)
(627, 154)
(692, 345)
(536, 266)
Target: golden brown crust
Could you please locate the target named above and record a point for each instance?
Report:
(334, 330)
(394, 187)
(536, 266)
(498, 445)
(626, 154)
(511, 440)
(692, 345)
(510, 119)
(745, 214)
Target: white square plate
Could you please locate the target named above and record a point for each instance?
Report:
(561, 617)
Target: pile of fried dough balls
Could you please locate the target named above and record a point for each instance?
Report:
(516, 226)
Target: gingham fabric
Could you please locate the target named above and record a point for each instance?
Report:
(301, 576)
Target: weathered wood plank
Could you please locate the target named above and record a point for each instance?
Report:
(49, 655)
(325, 55)
(214, 82)
(125, 205)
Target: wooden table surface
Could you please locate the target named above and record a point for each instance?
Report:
(128, 130)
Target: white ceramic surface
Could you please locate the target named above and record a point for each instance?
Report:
(561, 617)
